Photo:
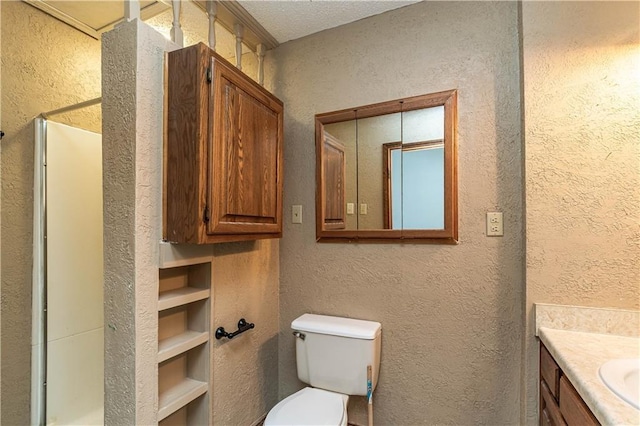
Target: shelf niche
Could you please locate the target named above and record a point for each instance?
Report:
(184, 344)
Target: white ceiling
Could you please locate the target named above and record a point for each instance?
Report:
(291, 19)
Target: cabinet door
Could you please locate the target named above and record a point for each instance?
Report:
(244, 171)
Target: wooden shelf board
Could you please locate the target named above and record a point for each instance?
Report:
(182, 296)
(178, 396)
(176, 345)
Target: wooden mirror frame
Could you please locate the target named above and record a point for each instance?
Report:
(448, 235)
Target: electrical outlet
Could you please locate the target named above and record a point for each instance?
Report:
(495, 226)
(364, 208)
(350, 208)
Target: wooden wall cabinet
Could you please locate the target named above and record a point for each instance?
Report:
(560, 403)
(223, 152)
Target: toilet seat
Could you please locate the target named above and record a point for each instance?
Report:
(310, 406)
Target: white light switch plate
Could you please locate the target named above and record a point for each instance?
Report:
(494, 224)
(364, 208)
(296, 214)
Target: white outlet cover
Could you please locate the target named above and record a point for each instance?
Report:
(495, 227)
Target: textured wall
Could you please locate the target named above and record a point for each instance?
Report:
(451, 315)
(582, 103)
(245, 275)
(245, 369)
(45, 65)
(132, 102)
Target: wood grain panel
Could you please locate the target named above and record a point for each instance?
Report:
(252, 161)
(334, 169)
(223, 152)
(185, 126)
(573, 408)
(549, 404)
(247, 163)
(549, 371)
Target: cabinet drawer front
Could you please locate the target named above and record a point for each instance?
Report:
(549, 371)
(572, 407)
(550, 406)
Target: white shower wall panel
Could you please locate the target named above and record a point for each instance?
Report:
(74, 231)
(75, 319)
(75, 379)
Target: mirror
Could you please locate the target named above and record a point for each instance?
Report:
(387, 171)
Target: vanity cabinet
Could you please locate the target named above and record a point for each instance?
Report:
(223, 152)
(560, 403)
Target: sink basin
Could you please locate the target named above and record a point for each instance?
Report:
(622, 376)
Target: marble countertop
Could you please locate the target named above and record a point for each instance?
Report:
(580, 354)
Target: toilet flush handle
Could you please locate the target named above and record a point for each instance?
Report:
(299, 335)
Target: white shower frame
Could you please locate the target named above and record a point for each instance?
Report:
(39, 290)
(39, 271)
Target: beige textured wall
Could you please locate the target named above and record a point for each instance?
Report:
(132, 80)
(45, 65)
(582, 121)
(451, 315)
(245, 369)
(245, 275)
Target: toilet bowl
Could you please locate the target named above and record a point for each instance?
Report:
(310, 407)
(338, 357)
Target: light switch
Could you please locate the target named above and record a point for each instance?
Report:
(296, 214)
(494, 224)
(363, 208)
(350, 208)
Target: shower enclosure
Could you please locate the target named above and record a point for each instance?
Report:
(68, 343)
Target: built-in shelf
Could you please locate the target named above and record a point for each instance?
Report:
(184, 329)
(176, 345)
(181, 296)
(179, 395)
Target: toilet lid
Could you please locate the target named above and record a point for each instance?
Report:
(308, 407)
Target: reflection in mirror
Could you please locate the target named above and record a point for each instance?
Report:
(373, 133)
(422, 169)
(333, 166)
(388, 171)
(414, 190)
(344, 133)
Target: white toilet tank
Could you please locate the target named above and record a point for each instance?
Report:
(333, 352)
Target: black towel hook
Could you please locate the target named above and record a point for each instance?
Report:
(242, 327)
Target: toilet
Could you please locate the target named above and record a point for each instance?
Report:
(332, 355)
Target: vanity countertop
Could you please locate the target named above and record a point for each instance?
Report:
(580, 354)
